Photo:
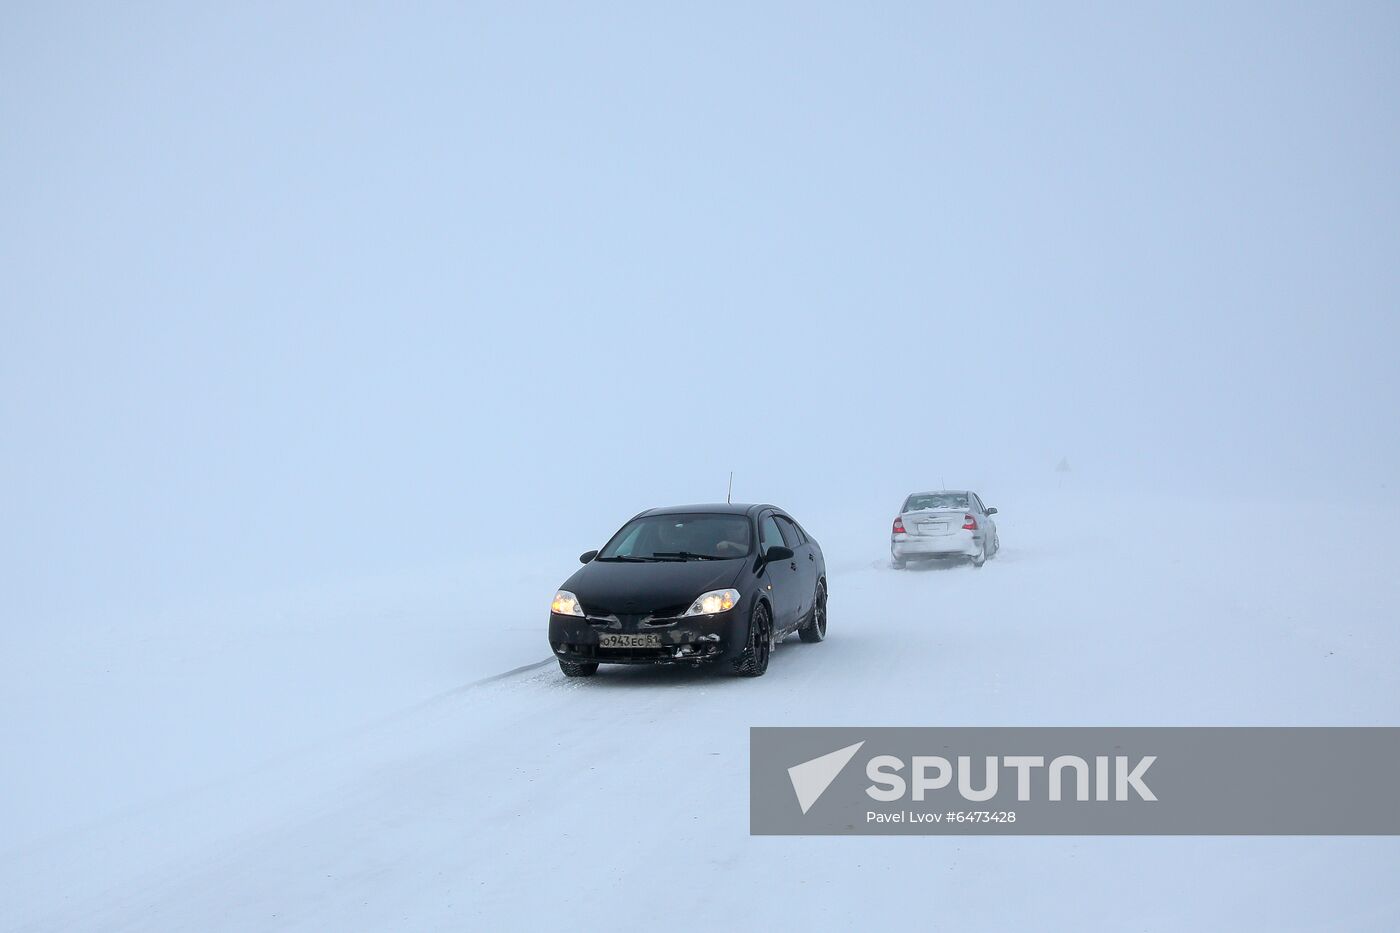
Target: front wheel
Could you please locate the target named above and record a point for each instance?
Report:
(755, 658)
(578, 668)
(815, 629)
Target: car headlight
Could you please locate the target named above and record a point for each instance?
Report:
(714, 602)
(566, 604)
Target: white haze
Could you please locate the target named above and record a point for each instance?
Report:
(302, 293)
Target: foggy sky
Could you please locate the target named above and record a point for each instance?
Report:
(298, 292)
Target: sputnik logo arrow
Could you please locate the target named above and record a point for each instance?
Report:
(811, 778)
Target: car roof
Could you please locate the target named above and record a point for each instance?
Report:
(942, 492)
(716, 508)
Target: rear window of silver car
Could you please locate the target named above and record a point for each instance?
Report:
(936, 500)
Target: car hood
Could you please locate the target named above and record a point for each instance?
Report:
(662, 588)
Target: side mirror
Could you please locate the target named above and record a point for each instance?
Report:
(991, 511)
(587, 556)
(777, 552)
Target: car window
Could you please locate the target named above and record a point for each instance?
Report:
(769, 534)
(680, 536)
(627, 540)
(790, 532)
(977, 503)
(936, 500)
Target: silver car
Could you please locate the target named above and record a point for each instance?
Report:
(942, 524)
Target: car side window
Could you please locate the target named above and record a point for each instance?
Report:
(769, 534)
(790, 532)
(977, 501)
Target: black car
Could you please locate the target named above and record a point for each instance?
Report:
(695, 584)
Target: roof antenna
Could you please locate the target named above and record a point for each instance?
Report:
(729, 496)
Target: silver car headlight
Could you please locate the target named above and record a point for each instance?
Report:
(566, 604)
(713, 602)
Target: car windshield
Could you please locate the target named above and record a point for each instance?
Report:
(680, 537)
(936, 500)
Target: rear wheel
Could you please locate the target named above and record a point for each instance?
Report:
(578, 668)
(755, 658)
(815, 629)
(897, 563)
(980, 557)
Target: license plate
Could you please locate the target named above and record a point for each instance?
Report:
(935, 528)
(650, 640)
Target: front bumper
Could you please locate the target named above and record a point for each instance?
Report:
(691, 640)
(962, 542)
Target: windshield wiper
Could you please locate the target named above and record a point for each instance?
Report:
(628, 559)
(685, 555)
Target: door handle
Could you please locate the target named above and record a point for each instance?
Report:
(793, 565)
(811, 558)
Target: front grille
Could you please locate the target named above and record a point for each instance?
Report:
(667, 615)
(662, 616)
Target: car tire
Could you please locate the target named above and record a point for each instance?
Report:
(578, 668)
(980, 557)
(815, 629)
(754, 660)
(897, 564)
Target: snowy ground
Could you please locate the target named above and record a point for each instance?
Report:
(347, 758)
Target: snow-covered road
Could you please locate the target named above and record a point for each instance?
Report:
(528, 800)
